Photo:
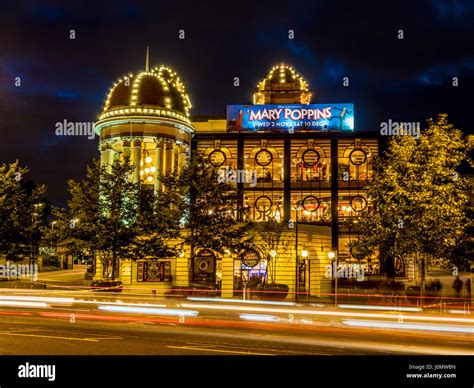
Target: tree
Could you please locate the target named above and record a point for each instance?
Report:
(211, 214)
(158, 223)
(103, 210)
(23, 212)
(118, 219)
(420, 199)
(268, 237)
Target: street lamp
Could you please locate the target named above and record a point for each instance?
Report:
(33, 227)
(52, 229)
(332, 255)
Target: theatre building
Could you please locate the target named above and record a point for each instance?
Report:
(291, 161)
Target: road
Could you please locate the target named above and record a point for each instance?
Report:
(71, 277)
(34, 322)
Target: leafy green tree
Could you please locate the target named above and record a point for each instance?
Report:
(23, 212)
(268, 238)
(158, 223)
(420, 199)
(103, 210)
(118, 219)
(211, 214)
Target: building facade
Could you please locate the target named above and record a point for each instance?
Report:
(290, 162)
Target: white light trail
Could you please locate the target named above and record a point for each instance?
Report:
(12, 303)
(151, 311)
(409, 326)
(39, 299)
(392, 308)
(323, 313)
(260, 317)
(202, 299)
(80, 301)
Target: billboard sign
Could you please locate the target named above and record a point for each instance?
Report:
(289, 118)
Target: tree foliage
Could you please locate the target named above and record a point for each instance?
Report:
(211, 214)
(23, 212)
(420, 198)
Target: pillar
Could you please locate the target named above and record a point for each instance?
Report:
(137, 156)
(126, 148)
(181, 158)
(126, 272)
(227, 290)
(103, 155)
(110, 158)
(169, 164)
(158, 165)
(182, 268)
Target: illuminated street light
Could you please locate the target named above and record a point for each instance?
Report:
(304, 253)
(332, 256)
(273, 253)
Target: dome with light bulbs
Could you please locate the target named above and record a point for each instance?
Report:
(157, 92)
(282, 85)
(145, 120)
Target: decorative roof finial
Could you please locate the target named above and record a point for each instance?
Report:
(147, 60)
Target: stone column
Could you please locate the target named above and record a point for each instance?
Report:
(137, 156)
(158, 164)
(227, 290)
(103, 154)
(126, 148)
(169, 164)
(182, 157)
(110, 157)
(182, 268)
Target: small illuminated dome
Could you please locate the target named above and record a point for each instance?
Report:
(282, 85)
(145, 120)
(158, 92)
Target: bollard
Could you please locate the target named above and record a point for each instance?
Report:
(153, 292)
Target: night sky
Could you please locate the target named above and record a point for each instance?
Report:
(61, 78)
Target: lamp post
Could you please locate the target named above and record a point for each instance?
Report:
(52, 230)
(297, 208)
(33, 227)
(73, 223)
(332, 255)
(304, 268)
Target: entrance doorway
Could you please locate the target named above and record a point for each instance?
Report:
(204, 269)
(250, 271)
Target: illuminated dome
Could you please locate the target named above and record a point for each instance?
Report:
(282, 85)
(145, 120)
(158, 92)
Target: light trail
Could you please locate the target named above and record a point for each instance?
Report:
(152, 311)
(79, 301)
(385, 308)
(324, 313)
(260, 317)
(408, 326)
(224, 300)
(13, 303)
(44, 299)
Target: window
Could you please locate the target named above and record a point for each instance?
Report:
(154, 271)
